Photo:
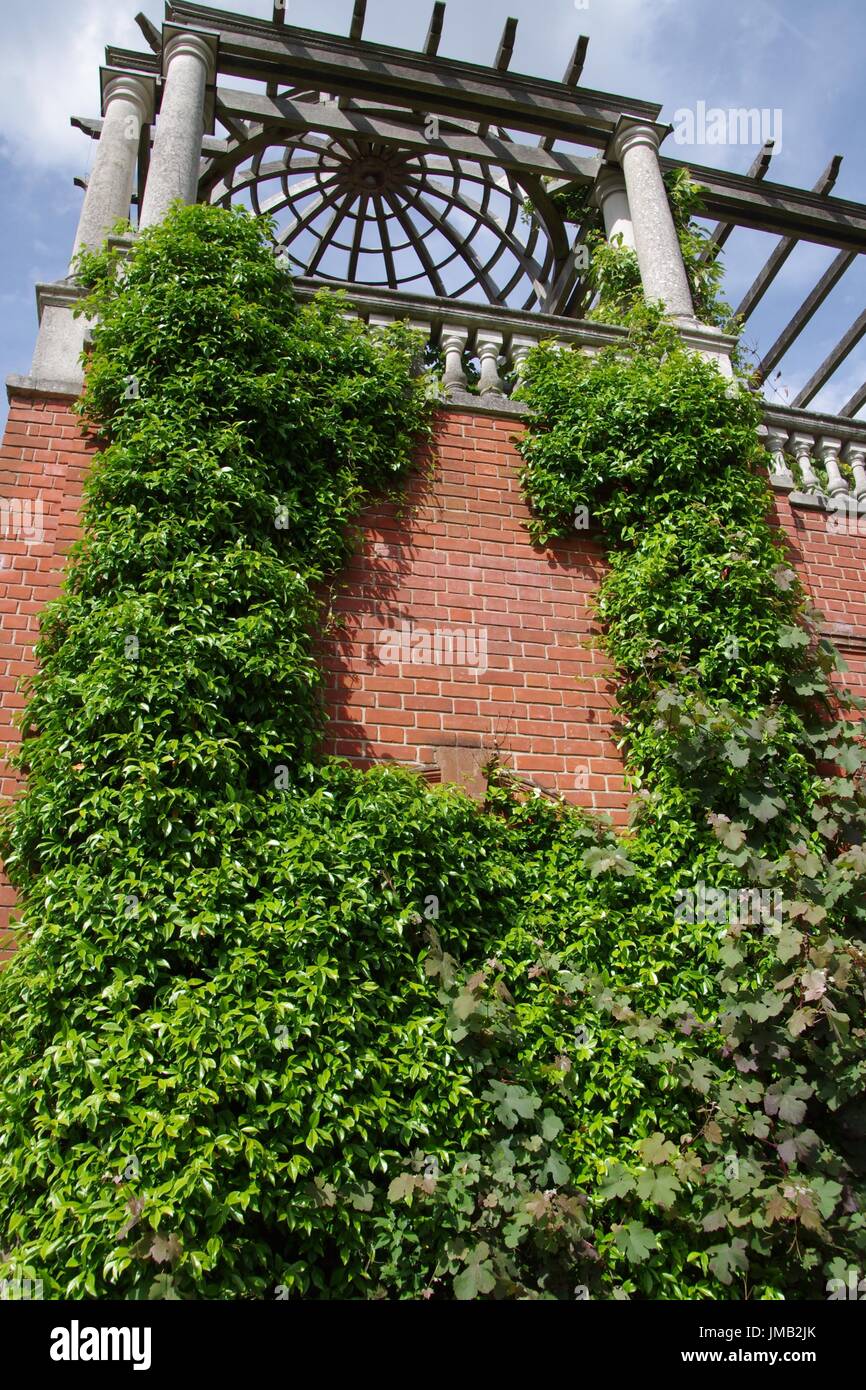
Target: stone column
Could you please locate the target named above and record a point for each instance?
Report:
(189, 63)
(610, 195)
(127, 104)
(635, 146)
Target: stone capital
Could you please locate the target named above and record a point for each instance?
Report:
(135, 87)
(196, 43)
(630, 133)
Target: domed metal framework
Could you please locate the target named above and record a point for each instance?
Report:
(360, 211)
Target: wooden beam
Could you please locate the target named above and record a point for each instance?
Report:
(279, 15)
(434, 33)
(807, 310)
(857, 402)
(92, 126)
(386, 75)
(831, 363)
(574, 71)
(506, 46)
(282, 113)
(359, 14)
(571, 78)
(238, 130)
(152, 35)
(722, 230)
(780, 253)
(776, 208)
(503, 58)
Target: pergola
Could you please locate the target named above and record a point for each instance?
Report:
(415, 174)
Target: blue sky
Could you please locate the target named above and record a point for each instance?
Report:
(795, 55)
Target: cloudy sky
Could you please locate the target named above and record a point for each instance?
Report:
(800, 57)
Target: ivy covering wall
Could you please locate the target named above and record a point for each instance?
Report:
(281, 1028)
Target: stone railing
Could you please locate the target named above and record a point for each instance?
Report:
(818, 460)
(498, 341)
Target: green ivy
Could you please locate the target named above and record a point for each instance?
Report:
(280, 1028)
(748, 778)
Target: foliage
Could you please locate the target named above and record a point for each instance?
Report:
(279, 1028)
(613, 275)
(748, 780)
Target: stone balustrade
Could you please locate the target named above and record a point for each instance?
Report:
(818, 460)
(495, 343)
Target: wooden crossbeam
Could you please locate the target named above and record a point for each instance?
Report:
(152, 35)
(239, 130)
(857, 402)
(806, 312)
(831, 363)
(388, 76)
(506, 46)
(722, 230)
(767, 274)
(776, 208)
(434, 33)
(285, 114)
(571, 78)
(359, 14)
(210, 145)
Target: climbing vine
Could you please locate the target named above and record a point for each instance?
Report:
(277, 1027)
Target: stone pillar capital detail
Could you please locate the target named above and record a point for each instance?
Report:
(631, 133)
(193, 43)
(129, 86)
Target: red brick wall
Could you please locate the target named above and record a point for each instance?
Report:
(832, 567)
(455, 556)
(43, 461)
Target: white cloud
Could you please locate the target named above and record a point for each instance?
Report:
(52, 55)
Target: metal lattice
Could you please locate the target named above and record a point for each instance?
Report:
(361, 212)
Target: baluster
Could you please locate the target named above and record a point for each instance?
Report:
(830, 450)
(780, 473)
(802, 446)
(488, 346)
(521, 347)
(856, 456)
(453, 343)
